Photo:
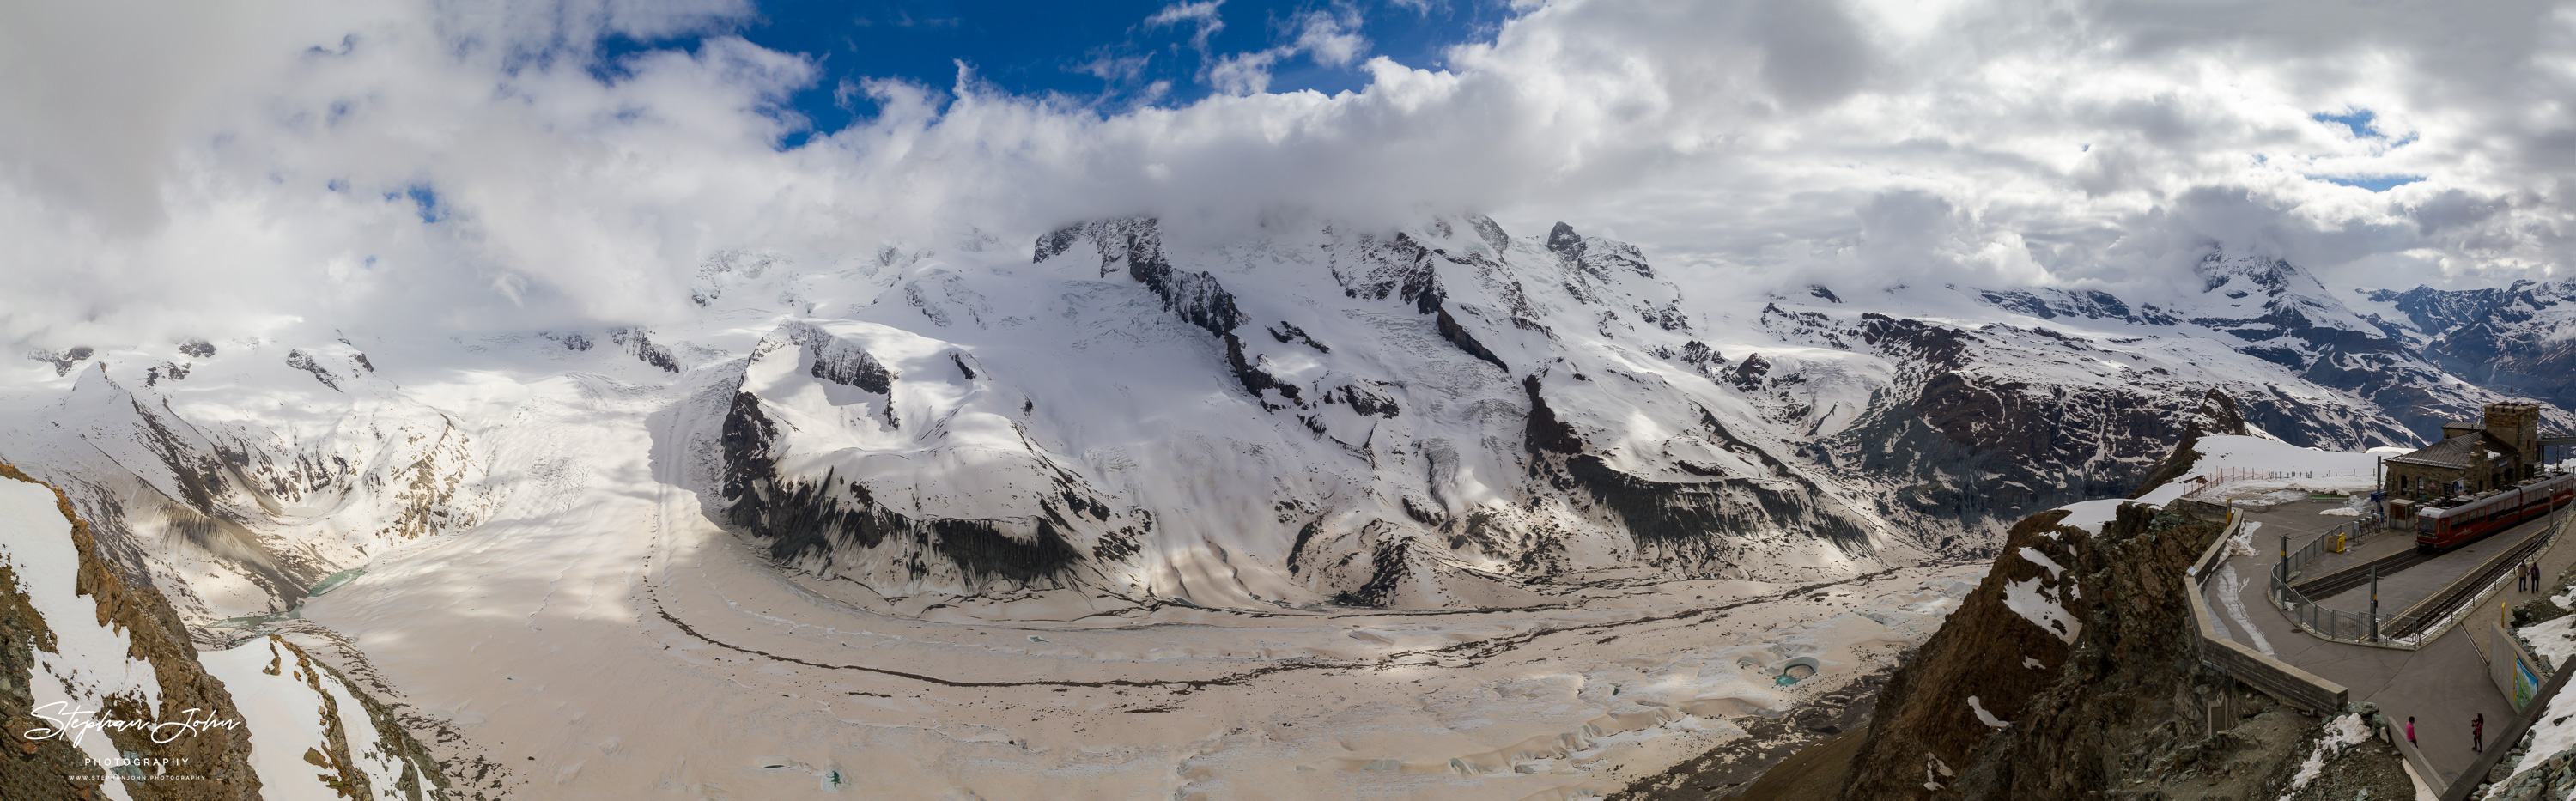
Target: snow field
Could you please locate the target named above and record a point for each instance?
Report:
(281, 697)
(90, 662)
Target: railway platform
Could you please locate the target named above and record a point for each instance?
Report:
(2442, 684)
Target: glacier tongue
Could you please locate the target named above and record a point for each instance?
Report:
(970, 506)
(1434, 416)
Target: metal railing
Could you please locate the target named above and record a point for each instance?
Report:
(2225, 475)
(2320, 621)
(2270, 675)
(2299, 559)
(2429, 618)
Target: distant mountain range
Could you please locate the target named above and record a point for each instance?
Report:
(1446, 415)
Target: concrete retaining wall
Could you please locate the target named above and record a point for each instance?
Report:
(2202, 510)
(2274, 677)
(2517, 672)
(2512, 734)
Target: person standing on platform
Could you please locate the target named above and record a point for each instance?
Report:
(2478, 733)
(2410, 730)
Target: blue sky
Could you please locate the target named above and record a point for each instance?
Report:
(438, 160)
(2364, 124)
(1114, 55)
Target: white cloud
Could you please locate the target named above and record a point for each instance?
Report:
(1244, 73)
(1328, 40)
(224, 172)
(1202, 15)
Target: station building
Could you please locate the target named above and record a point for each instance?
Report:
(2473, 457)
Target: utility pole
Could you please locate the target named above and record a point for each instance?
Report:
(2374, 603)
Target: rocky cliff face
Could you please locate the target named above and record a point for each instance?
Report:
(2509, 338)
(2072, 672)
(82, 644)
(1441, 414)
(56, 667)
(241, 477)
(1928, 733)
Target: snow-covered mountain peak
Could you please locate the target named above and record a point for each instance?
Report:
(1440, 414)
(2237, 275)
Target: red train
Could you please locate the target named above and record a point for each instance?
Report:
(2443, 528)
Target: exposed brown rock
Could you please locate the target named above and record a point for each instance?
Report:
(50, 768)
(2218, 415)
(2112, 714)
(1924, 725)
(219, 757)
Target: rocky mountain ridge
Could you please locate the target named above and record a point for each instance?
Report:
(1441, 415)
(87, 646)
(2512, 338)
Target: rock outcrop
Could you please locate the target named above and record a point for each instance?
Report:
(39, 760)
(109, 687)
(2008, 700)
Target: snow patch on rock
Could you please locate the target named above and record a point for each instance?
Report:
(2092, 515)
(90, 662)
(2030, 599)
(2342, 732)
(1986, 717)
(294, 710)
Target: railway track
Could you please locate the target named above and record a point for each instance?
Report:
(2330, 584)
(2435, 609)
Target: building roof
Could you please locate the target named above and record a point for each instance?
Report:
(2457, 453)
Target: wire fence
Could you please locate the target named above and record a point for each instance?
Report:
(2226, 475)
(2432, 617)
(2320, 620)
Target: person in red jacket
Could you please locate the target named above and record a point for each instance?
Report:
(2410, 730)
(2478, 733)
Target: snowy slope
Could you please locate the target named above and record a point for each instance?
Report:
(1422, 417)
(1393, 419)
(1436, 416)
(2519, 338)
(311, 737)
(253, 470)
(1116, 452)
(100, 680)
(1983, 404)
